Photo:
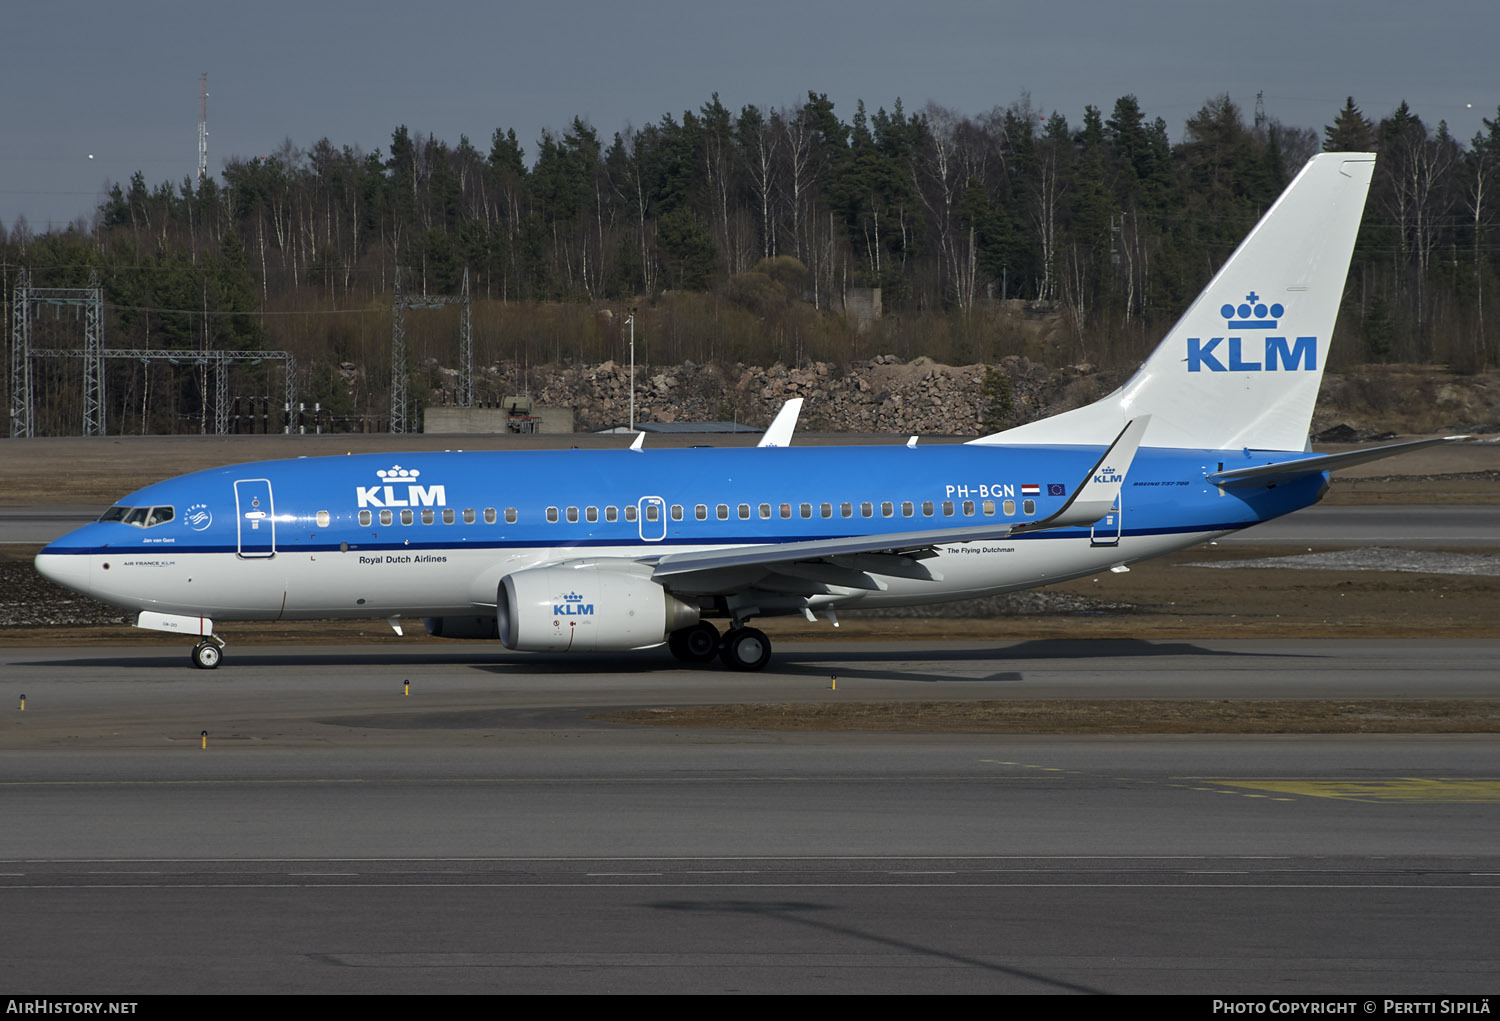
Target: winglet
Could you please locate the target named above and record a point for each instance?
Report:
(638, 442)
(780, 432)
(1096, 495)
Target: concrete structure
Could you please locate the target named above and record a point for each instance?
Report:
(456, 420)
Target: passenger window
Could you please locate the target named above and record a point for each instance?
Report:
(611, 513)
(907, 510)
(676, 512)
(322, 519)
(468, 515)
(744, 512)
(653, 512)
(1028, 507)
(989, 508)
(428, 516)
(572, 515)
(630, 512)
(385, 517)
(591, 514)
(806, 510)
(867, 509)
(407, 517)
(364, 519)
(701, 512)
(927, 508)
(448, 515)
(489, 515)
(765, 511)
(846, 510)
(887, 510)
(786, 510)
(947, 508)
(552, 515)
(969, 508)
(1009, 507)
(826, 509)
(510, 516)
(722, 510)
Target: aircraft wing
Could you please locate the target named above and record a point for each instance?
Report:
(1281, 471)
(1092, 499)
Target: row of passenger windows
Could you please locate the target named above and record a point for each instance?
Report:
(429, 516)
(766, 511)
(721, 512)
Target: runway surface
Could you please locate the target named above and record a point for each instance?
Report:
(486, 833)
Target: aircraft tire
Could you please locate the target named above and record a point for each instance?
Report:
(746, 648)
(696, 644)
(206, 655)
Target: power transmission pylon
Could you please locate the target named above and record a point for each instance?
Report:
(399, 305)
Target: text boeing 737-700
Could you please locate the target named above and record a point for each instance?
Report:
(626, 549)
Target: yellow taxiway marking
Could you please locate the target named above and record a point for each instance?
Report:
(1433, 790)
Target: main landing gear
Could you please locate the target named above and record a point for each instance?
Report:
(741, 648)
(207, 653)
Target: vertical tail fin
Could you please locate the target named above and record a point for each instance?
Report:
(1241, 368)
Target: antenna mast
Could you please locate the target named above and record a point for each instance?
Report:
(202, 128)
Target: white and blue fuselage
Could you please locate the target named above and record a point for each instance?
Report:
(433, 534)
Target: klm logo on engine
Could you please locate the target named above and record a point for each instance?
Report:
(1262, 353)
(401, 489)
(572, 606)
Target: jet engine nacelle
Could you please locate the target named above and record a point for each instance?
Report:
(586, 609)
(461, 627)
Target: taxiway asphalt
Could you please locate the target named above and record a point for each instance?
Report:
(486, 834)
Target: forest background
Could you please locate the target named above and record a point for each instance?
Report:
(739, 239)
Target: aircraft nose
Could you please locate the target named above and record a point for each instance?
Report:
(71, 572)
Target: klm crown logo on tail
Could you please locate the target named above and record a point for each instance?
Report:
(1252, 354)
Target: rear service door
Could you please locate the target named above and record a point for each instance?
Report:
(1106, 531)
(256, 515)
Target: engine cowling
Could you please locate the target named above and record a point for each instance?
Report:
(586, 609)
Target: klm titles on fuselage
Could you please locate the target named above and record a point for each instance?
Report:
(414, 495)
(1238, 354)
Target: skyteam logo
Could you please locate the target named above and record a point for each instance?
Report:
(572, 605)
(1252, 354)
(198, 517)
(401, 490)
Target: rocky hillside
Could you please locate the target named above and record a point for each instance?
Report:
(885, 394)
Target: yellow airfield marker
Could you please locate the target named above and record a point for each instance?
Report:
(205, 739)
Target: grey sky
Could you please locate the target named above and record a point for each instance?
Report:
(120, 80)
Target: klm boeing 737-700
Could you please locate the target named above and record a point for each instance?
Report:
(605, 551)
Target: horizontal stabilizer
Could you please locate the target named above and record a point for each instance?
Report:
(1283, 470)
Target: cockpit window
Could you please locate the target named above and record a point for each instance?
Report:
(140, 517)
